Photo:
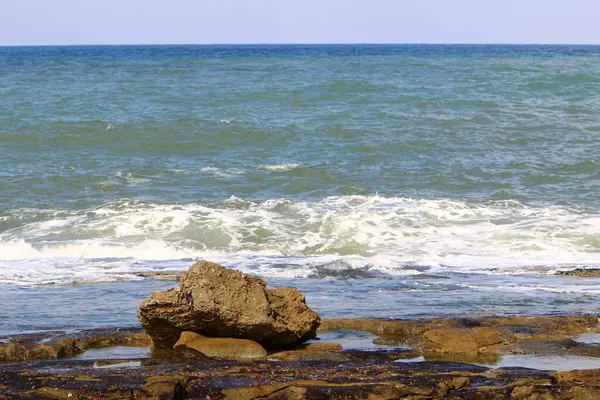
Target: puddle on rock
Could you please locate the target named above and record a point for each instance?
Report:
(353, 340)
(55, 370)
(550, 363)
(553, 363)
(115, 353)
(412, 360)
(122, 364)
(588, 338)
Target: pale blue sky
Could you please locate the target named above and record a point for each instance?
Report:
(26, 22)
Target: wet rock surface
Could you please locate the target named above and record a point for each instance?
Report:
(324, 370)
(221, 348)
(57, 345)
(215, 379)
(469, 342)
(218, 302)
(582, 272)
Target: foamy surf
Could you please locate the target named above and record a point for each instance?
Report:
(279, 167)
(344, 236)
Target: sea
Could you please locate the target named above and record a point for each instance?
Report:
(383, 181)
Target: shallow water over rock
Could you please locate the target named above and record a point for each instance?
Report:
(552, 363)
(352, 340)
(115, 353)
(52, 307)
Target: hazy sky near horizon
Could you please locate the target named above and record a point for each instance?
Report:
(31, 22)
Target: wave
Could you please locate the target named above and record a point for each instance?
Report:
(337, 237)
(279, 167)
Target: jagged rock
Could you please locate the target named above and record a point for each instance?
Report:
(222, 348)
(218, 302)
(19, 352)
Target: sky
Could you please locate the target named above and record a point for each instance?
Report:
(49, 22)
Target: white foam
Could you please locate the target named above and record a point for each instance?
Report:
(389, 235)
(124, 179)
(222, 173)
(279, 167)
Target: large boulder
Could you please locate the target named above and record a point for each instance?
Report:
(218, 302)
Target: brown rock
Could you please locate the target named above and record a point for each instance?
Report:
(220, 302)
(310, 351)
(459, 382)
(163, 387)
(265, 392)
(584, 393)
(462, 341)
(223, 348)
(394, 329)
(66, 347)
(590, 376)
(582, 272)
(321, 347)
(12, 352)
(532, 393)
(41, 352)
(19, 352)
(303, 355)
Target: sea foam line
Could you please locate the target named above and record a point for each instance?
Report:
(389, 235)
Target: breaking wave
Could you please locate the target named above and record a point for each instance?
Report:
(337, 237)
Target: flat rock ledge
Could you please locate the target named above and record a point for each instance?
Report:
(217, 302)
(313, 371)
(310, 380)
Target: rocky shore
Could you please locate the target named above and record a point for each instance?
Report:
(224, 335)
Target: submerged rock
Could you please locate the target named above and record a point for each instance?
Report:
(218, 302)
(582, 272)
(222, 348)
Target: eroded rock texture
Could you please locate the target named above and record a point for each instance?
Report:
(218, 302)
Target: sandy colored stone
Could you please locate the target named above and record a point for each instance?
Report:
(459, 382)
(581, 272)
(12, 352)
(590, 376)
(549, 326)
(321, 347)
(41, 352)
(305, 355)
(584, 393)
(298, 389)
(257, 392)
(222, 348)
(20, 352)
(393, 329)
(163, 387)
(220, 302)
(462, 341)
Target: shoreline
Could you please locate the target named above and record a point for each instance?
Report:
(436, 356)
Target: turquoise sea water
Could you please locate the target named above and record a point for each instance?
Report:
(383, 180)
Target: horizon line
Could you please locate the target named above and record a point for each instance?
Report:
(311, 44)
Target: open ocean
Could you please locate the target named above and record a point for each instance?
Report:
(382, 180)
